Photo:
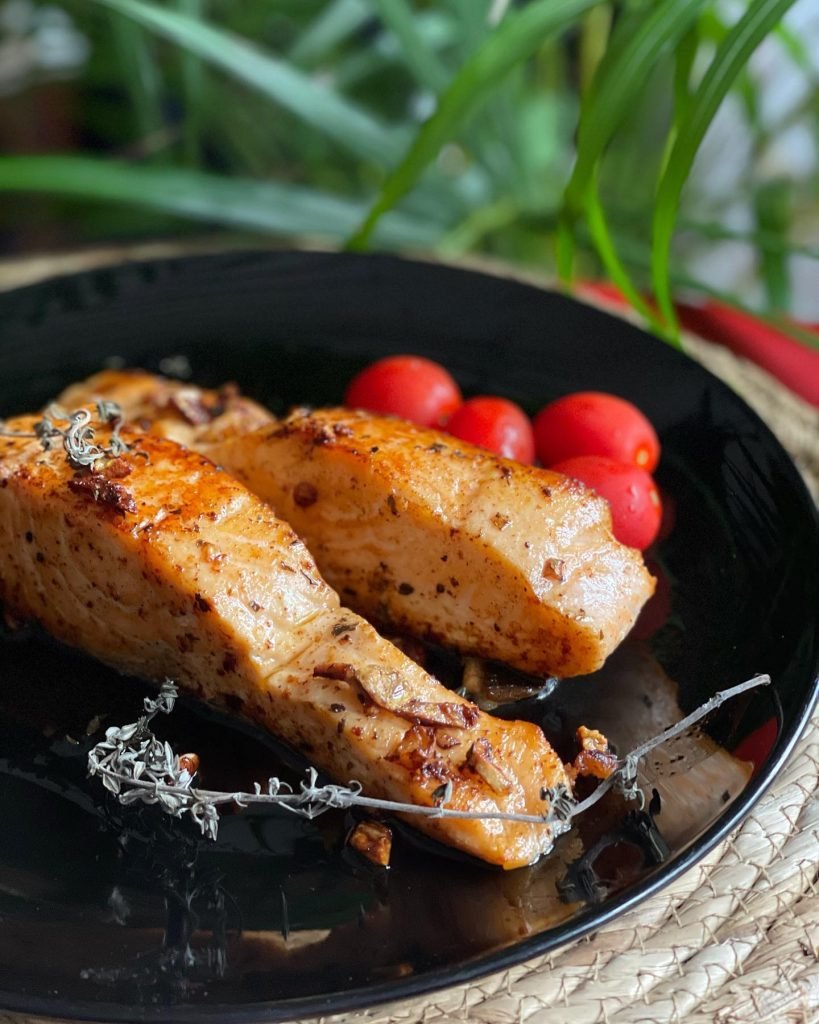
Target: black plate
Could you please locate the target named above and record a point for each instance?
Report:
(98, 903)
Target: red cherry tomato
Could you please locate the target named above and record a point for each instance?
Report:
(636, 509)
(757, 745)
(411, 387)
(594, 423)
(496, 424)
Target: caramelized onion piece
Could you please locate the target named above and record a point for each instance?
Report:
(386, 689)
(481, 760)
(594, 759)
(373, 840)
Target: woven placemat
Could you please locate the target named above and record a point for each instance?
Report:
(735, 939)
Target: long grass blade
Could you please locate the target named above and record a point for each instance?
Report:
(517, 38)
(140, 75)
(193, 84)
(425, 64)
(684, 57)
(473, 21)
(775, 242)
(473, 229)
(640, 256)
(772, 208)
(798, 49)
(635, 49)
(615, 268)
(264, 207)
(314, 103)
(352, 68)
(594, 37)
(731, 57)
(339, 20)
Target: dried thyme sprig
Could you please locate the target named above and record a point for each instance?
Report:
(624, 778)
(138, 768)
(77, 436)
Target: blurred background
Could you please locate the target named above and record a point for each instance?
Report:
(667, 145)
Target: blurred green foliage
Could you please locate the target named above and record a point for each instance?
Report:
(559, 133)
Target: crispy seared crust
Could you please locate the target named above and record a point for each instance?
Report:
(163, 565)
(428, 534)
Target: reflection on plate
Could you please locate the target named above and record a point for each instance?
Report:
(278, 919)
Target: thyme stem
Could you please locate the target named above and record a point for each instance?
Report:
(628, 764)
(137, 767)
(326, 797)
(78, 435)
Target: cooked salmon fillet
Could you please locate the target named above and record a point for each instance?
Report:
(416, 529)
(160, 564)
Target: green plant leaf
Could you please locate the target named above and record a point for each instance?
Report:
(315, 104)
(473, 20)
(636, 47)
(594, 37)
(265, 207)
(336, 23)
(773, 212)
(767, 241)
(465, 236)
(731, 57)
(517, 38)
(798, 49)
(352, 68)
(639, 255)
(422, 60)
(615, 268)
(684, 57)
(193, 83)
(140, 74)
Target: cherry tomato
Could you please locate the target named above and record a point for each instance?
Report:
(411, 387)
(594, 423)
(758, 744)
(496, 424)
(636, 509)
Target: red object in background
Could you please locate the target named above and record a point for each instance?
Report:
(411, 387)
(595, 423)
(669, 516)
(632, 495)
(657, 609)
(607, 291)
(496, 424)
(794, 364)
(757, 745)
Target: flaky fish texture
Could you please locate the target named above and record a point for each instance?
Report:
(417, 529)
(160, 564)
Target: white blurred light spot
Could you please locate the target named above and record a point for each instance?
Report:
(452, 160)
(16, 17)
(497, 11)
(36, 41)
(59, 48)
(422, 105)
(791, 154)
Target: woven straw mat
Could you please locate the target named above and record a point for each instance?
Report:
(735, 939)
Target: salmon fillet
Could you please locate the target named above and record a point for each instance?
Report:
(418, 530)
(160, 564)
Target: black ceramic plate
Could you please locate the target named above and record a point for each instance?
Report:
(114, 914)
